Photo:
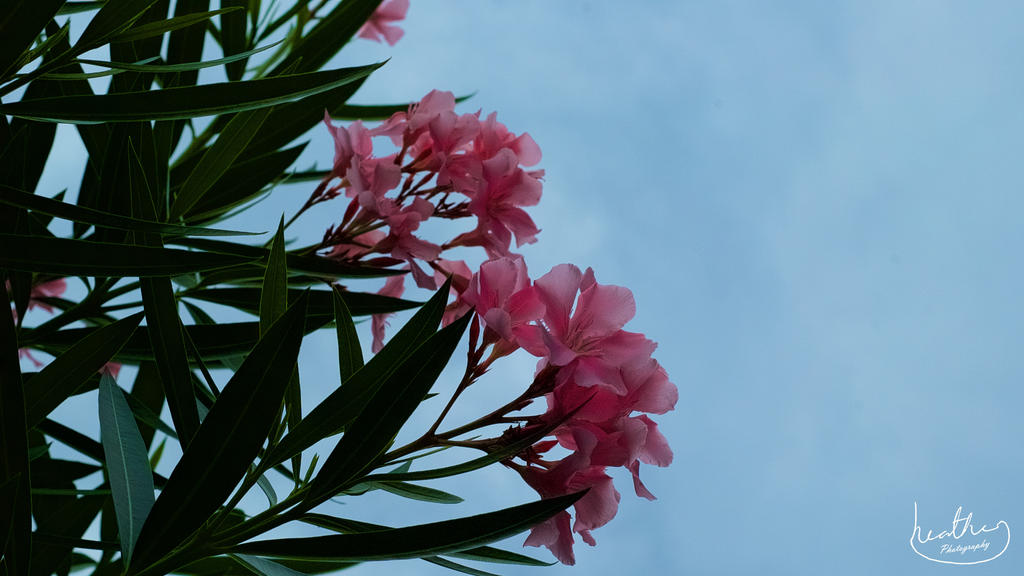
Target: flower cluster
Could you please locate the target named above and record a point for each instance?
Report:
(448, 166)
(599, 380)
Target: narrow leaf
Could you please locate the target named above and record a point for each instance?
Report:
(350, 354)
(111, 19)
(131, 479)
(418, 541)
(50, 207)
(68, 257)
(165, 26)
(387, 411)
(344, 404)
(142, 66)
(68, 371)
(218, 158)
(227, 442)
(184, 102)
(20, 24)
(263, 567)
(320, 301)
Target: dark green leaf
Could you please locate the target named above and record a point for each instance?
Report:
(268, 489)
(329, 35)
(233, 37)
(347, 402)
(445, 563)
(164, 26)
(131, 479)
(320, 301)
(218, 158)
(111, 19)
(21, 21)
(431, 539)
(184, 102)
(76, 7)
(416, 492)
(369, 435)
(214, 342)
(350, 354)
(274, 293)
(60, 378)
(168, 345)
(142, 65)
(227, 442)
(225, 566)
(243, 182)
(263, 567)
(68, 257)
(51, 207)
(314, 265)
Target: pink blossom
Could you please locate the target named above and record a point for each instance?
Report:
(504, 300)
(360, 246)
(494, 136)
(394, 287)
(349, 143)
(403, 245)
(381, 23)
(588, 341)
(573, 473)
(497, 204)
(370, 179)
(405, 128)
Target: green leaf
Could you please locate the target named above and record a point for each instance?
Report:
(142, 65)
(350, 355)
(320, 301)
(243, 182)
(168, 345)
(347, 402)
(62, 377)
(184, 102)
(50, 207)
(370, 434)
(20, 24)
(330, 34)
(68, 257)
(165, 26)
(227, 442)
(268, 489)
(233, 37)
(432, 539)
(214, 342)
(274, 293)
(445, 563)
(78, 7)
(414, 492)
(314, 265)
(218, 158)
(225, 566)
(263, 567)
(111, 19)
(14, 458)
(131, 479)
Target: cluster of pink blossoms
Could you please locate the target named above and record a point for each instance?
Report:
(599, 380)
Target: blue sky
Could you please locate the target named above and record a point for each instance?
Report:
(816, 206)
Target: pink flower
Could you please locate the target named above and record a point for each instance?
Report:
(497, 204)
(573, 473)
(394, 287)
(404, 128)
(403, 245)
(360, 246)
(587, 342)
(494, 137)
(504, 300)
(370, 179)
(381, 23)
(349, 143)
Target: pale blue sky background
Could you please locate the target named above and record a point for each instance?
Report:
(817, 207)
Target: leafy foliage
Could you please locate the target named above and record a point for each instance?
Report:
(157, 185)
